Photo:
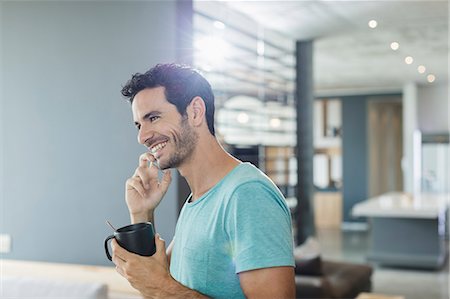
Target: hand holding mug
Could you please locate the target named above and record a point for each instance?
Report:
(137, 238)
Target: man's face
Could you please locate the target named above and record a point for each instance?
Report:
(166, 133)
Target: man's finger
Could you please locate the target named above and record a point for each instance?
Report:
(144, 174)
(153, 171)
(145, 159)
(136, 183)
(166, 179)
(120, 271)
(119, 254)
(120, 263)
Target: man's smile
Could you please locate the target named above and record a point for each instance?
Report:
(158, 147)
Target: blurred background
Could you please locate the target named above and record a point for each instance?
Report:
(338, 102)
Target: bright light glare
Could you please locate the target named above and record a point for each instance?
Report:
(395, 46)
(409, 60)
(219, 25)
(275, 122)
(431, 78)
(373, 24)
(260, 47)
(212, 50)
(243, 118)
(421, 69)
(206, 68)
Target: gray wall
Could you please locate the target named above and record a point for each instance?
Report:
(355, 160)
(354, 153)
(68, 143)
(433, 108)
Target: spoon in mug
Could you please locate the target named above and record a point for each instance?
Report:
(110, 225)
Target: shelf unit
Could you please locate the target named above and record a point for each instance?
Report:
(328, 199)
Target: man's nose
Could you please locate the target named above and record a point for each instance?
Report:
(145, 133)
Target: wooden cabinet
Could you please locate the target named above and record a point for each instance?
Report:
(328, 209)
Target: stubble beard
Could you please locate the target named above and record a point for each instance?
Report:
(184, 147)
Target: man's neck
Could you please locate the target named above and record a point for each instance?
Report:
(208, 164)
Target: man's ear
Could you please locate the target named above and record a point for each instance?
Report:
(197, 111)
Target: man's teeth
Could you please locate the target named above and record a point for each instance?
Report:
(158, 147)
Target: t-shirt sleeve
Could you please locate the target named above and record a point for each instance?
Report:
(259, 228)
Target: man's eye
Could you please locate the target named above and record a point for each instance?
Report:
(153, 118)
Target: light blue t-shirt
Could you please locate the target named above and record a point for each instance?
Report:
(241, 224)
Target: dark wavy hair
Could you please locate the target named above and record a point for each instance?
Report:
(182, 83)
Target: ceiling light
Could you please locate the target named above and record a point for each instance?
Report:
(219, 25)
(431, 78)
(243, 118)
(421, 69)
(212, 50)
(409, 60)
(395, 46)
(373, 24)
(260, 47)
(275, 122)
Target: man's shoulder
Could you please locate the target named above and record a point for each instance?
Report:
(247, 178)
(246, 173)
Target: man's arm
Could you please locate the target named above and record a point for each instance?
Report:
(276, 282)
(146, 217)
(150, 275)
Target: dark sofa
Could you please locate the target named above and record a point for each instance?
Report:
(337, 280)
(317, 278)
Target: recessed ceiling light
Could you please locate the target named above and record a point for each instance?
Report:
(219, 25)
(243, 118)
(373, 24)
(395, 46)
(260, 47)
(431, 78)
(275, 122)
(409, 60)
(421, 69)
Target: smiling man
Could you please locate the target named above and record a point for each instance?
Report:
(233, 236)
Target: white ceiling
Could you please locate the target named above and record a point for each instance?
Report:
(351, 56)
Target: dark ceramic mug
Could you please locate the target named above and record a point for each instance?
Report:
(138, 238)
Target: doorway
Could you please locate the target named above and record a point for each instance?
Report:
(385, 143)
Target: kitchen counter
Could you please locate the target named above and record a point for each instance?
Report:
(403, 205)
(406, 231)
